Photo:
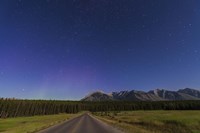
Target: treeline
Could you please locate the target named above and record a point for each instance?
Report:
(17, 108)
(143, 105)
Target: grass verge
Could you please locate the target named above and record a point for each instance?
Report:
(32, 124)
(153, 121)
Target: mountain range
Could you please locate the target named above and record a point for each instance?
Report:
(152, 95)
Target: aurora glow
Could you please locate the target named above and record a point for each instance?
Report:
(64, 49)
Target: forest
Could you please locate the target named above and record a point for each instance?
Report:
(19, 108)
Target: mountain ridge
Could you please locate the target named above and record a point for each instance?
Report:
(151, 95)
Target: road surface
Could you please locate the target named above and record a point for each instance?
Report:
(82, 124)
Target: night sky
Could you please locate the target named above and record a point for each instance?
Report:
(65, 49)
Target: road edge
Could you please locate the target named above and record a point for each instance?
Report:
(57, 124)
(104, 121)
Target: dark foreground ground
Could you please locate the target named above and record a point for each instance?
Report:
(82, 124)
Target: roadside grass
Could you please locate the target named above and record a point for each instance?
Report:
(32, 124)
(153, 121)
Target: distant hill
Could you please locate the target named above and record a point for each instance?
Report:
(98, 96)
(152, 95)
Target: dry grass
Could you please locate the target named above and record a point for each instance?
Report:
(153, 121)
(32, 124)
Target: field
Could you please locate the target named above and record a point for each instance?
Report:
(31, 124)
(128, 121)
(153, 121)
